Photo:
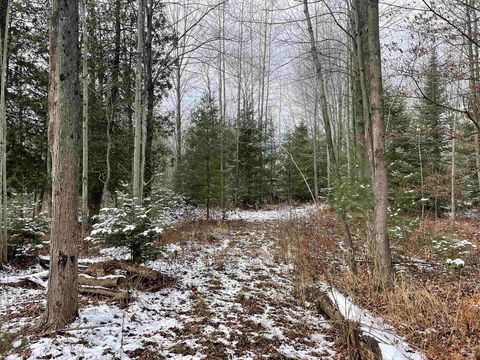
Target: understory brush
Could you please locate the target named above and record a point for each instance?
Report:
(27, 228)
(435, 306)
(139, 226)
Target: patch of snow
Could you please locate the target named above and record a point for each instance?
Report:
(456, 263)
(464, 243)
(286, 213)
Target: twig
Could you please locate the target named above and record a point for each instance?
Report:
(71, 329)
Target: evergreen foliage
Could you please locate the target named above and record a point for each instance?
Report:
(200, 172)
(297, 163)
(137, 227)
(26, 226)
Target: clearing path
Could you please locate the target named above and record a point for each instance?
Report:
(231, 300)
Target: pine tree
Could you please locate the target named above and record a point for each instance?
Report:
(201, 164)
(297, 148)
(432, 126)
(431, 116)
(250, 173)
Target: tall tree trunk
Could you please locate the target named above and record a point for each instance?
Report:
(221, 101)
(178, 113)
(85, 83)
(328, 131)
(454, 170)
(348, 122)
(383, 261)
(150, 90)
(112, 104)
(360, 14)
(473, 81)
(477, 154)
(239, 108)
(321, 85)
(137, 152)
(3, 136)
(64, 138)
(315, 145)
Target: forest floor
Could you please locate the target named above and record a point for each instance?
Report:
(239, 287)
(230, 299)
(435, 301)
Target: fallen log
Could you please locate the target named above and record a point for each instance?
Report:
(359, 346)
(118, 295)
(37, 279)
(106, 274)
(367, 337)
(109, 281)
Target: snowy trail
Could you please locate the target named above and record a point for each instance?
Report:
(231, 300)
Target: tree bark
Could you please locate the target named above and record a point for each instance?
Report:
(383, 262)
(64, 131)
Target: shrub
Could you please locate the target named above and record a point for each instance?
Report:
(26, 229)
(138, 226)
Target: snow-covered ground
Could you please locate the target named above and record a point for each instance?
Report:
(284, 213)
(231, 300)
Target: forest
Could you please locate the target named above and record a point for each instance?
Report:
(240, 179)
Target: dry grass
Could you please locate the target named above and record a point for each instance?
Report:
(438, 310)
(202, 231)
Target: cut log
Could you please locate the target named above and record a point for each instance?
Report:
(118, 295)
(109, 281)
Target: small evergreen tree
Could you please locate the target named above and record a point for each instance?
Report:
(250, 160)
(432, 129)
